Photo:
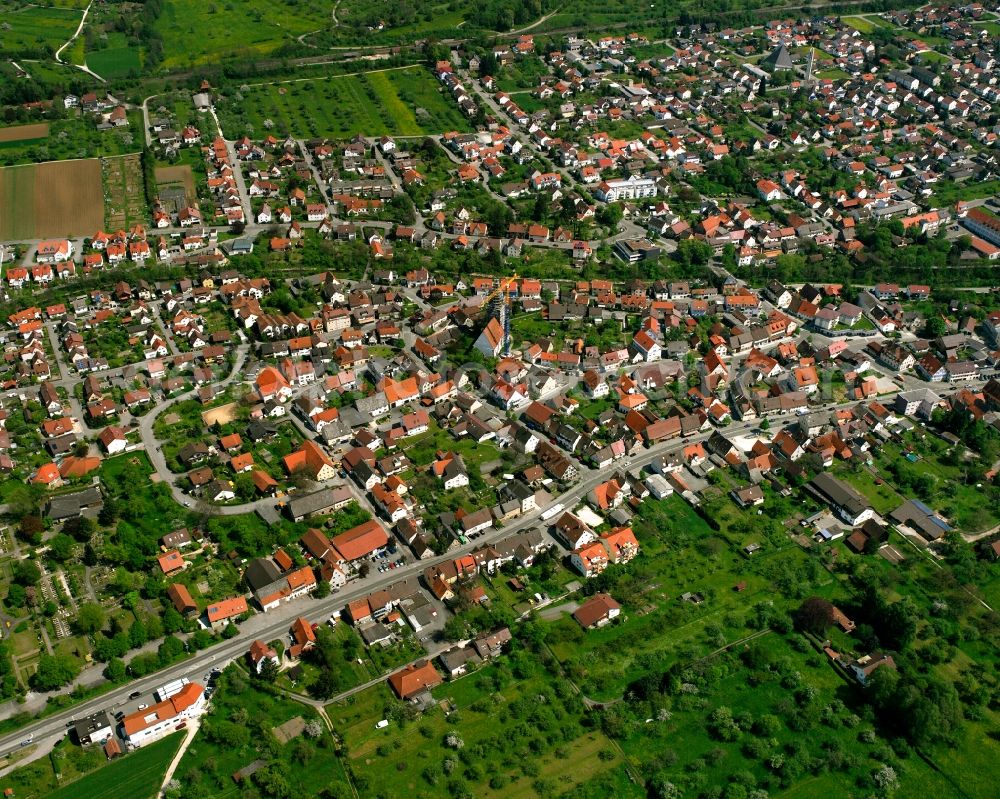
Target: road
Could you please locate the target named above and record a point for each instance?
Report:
(274, 625)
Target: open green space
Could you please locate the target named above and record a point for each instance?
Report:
(239, 731)
(116, 59)
(402, 102)
(196, 33)
(136, 775)
(512, 728)
(35, 30)
(865, 24)
(71, 137)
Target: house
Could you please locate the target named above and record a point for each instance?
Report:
(312, 461)
(182, 600)
(491, 340)
(319, 503)
(414, 680)
(259, 654)
(220, 613)
(151, 723)
(846, 502)
(94, 729)
(597, 611)
(171, 562)
(863, 667)
(113, 439)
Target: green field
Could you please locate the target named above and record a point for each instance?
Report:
(197, 33)
(136, 776)
(401, 102)
(865, 24)
(993, 28)
(35, 30)
(117, 60)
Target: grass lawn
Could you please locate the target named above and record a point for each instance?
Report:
(400, 102)
(833, 74)
(993, 28)
(865, 24)
(882, 497)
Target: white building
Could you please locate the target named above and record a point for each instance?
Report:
(146, 726)
(631, 188)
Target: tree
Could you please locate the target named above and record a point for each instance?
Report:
(26, 573)
(322, 590)
(54, 671)
(80, 527)
(115, 670)
(814, 615)
(30, 529)
(62, 548)
(90, 618)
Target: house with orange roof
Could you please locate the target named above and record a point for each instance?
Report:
(242, 463)
(272, 385)
(414, 679)
(171, 562)
(304, 637)
(312, 460)
(220, 613)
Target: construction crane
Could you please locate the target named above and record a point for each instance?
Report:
(498, 302)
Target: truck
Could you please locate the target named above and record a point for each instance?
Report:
(551, 512)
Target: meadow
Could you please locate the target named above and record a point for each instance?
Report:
(118, 59)
(198, 33)
(400, 102)
(35, 30)
(58, 198)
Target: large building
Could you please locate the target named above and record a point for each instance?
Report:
(631, 188)
(984, 224)
(146, 726)
(848, 504)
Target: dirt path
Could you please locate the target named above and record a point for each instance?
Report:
(79, 29)
(537, 22)
(190, 731)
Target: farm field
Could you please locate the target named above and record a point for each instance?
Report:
(137, 775)
(86, 774)
(23, 133)
(58, 198)
(124, 195)
(35, 30)
(177, 177)
(400, 102)
(196, 33)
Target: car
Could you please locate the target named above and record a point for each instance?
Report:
(143, 707)
(27, 740)
(135, 695)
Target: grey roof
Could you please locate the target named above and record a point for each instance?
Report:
(778, 59)
(66, 506)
